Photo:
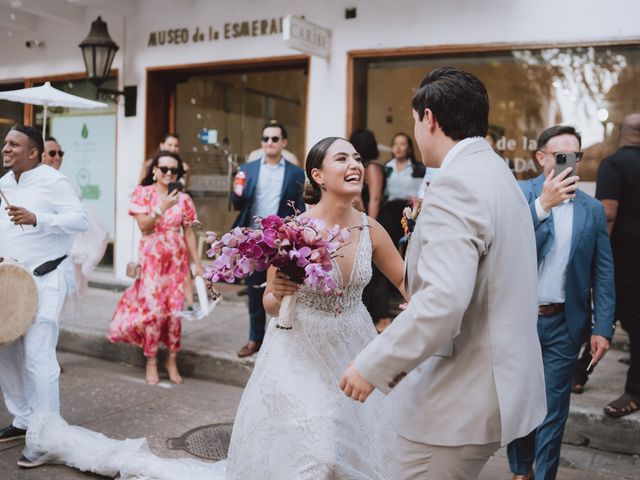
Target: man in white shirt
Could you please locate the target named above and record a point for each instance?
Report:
(575, 265)
(271, 183)
(37, 230)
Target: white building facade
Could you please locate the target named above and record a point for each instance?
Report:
(222, 67)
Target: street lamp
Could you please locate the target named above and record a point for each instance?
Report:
(98, 51)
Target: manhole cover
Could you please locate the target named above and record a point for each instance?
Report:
(210, 442)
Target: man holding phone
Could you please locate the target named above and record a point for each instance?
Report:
(575, 264)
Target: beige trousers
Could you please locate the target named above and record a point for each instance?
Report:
(421, 461)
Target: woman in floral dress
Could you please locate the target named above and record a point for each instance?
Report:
(148, 312)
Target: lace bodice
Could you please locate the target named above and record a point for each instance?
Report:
(351, 290)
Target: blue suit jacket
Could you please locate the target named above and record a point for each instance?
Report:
(590, 266)
(292, 190)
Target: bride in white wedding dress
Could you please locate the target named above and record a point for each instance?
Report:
(293, 421)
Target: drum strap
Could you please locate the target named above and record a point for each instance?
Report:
(47, 267)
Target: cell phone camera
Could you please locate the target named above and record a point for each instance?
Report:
(561, 158)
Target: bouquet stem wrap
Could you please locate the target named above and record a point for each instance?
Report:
(287, 312)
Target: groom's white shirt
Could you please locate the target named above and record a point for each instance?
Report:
(467, 342)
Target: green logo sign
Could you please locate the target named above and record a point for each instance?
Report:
(85, 131)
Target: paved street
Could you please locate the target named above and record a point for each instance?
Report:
(113, 399)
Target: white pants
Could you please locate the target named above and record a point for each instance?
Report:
(419, 461)
(29, 370)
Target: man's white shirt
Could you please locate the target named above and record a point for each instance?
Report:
(552, 271)
(59, 213)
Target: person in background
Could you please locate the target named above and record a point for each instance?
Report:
(575, 265)
(170, 143)
(267, 187)
(53, 153)
(258, 153)
(618, 189)
(403, 180)
(149, 311)
(375, 295)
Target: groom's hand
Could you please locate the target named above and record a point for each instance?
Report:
(354, 385)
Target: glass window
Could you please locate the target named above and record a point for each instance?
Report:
(88, 138)
(219, 117)
(591, 88)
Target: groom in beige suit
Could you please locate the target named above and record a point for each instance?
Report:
(463, 361)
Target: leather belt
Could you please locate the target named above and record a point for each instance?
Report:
(550, 308)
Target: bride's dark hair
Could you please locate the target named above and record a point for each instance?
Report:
(312, 191)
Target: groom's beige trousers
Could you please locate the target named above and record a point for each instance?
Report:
(415, 461)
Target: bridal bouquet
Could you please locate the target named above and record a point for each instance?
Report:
(300, 247)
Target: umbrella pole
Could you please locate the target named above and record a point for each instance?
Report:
(44, 121)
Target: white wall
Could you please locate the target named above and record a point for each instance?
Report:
(379, 24)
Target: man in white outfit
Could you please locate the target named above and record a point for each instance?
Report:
(37, 230)
(463, 361)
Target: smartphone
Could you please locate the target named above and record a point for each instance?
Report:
(565, 160)
(175, 186)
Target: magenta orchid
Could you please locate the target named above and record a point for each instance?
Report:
(301, 247)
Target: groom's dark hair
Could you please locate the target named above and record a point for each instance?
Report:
(458, 100)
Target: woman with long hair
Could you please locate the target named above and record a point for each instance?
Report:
(404, 176)
(148, 312)
(293, 420)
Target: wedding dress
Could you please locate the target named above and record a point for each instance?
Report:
(293, 421)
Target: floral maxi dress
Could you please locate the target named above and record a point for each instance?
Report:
(147, 313)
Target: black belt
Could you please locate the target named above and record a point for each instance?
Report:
(48, 267)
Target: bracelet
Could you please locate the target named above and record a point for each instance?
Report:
(279, 302)
(156, 213)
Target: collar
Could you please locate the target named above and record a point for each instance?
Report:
(263, 161)
(451, 154)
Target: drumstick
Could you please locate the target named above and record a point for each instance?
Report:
(4, 199)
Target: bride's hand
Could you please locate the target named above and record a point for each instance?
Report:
(282, 286)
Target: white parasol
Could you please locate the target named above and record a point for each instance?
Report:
(48, 96)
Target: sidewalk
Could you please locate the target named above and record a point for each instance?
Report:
(209, 352)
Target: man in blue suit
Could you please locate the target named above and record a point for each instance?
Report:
(575, 265)
(271, 183)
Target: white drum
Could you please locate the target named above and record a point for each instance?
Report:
(18, 300)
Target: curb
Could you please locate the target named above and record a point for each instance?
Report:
(590, 427)
(222, 368)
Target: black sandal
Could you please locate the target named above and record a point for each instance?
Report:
(624, 405)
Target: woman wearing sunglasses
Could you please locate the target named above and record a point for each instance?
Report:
(148, 312)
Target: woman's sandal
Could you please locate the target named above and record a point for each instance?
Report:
(624, 405)
(151, 371)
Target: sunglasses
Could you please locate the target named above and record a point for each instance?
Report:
(578, 155)
(275, 139)
(173, 170)
(52, 153)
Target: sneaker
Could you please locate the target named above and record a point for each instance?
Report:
(24, 462)
(11, 433)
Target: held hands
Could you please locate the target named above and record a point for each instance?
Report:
(354, 385)
(599, 346)
(558, 189)
(169, 201)
(20, 216)
(282, 286)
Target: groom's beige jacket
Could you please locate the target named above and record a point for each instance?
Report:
(467, 342)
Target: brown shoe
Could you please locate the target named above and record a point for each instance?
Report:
(528, 476)
(249, 349)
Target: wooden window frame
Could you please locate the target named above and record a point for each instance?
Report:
(161, 85)
(353, 70)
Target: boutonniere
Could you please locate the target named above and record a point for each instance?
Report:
(409, 217)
